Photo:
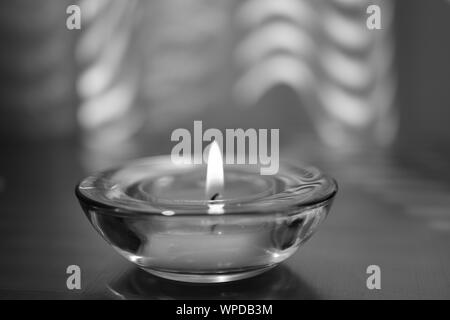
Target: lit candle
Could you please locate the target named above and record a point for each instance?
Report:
(215, 179)
(214, 174)
(205, 224)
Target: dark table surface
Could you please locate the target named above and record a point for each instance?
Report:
(386, 214)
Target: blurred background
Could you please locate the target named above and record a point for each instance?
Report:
(370, 106)
(136, 71)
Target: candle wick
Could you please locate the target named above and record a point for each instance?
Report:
(214, 197)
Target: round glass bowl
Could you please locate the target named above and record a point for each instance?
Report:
(153, 212)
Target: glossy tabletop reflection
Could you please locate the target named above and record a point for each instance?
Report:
(386, 214)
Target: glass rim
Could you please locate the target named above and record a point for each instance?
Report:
(277, 204)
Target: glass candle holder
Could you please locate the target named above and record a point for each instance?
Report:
(154, 213)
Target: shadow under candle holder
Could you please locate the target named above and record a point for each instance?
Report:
(278, 283)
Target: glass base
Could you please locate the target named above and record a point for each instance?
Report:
(206, 277)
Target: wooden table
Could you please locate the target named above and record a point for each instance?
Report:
(385, 214)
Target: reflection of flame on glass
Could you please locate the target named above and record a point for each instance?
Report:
(214, 178)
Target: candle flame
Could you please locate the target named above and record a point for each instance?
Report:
(214, 173)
